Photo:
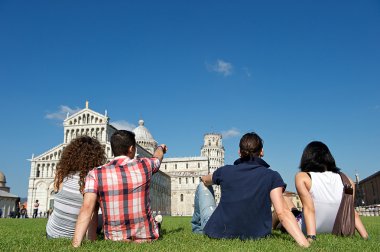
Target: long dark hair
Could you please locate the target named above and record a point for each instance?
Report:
(316, 157)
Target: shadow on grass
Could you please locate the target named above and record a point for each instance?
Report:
(165, 232)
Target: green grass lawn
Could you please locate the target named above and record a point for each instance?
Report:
(29, 235)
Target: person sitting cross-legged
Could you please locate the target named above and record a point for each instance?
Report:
(122, 189)
(247, 190)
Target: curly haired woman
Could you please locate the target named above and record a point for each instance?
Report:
(80, 156)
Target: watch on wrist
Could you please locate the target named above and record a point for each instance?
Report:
(313, 237)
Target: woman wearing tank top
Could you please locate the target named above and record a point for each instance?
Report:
(320, 188)
(81, 155)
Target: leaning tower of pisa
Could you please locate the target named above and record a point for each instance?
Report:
(213, 149)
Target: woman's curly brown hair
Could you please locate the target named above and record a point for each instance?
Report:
(80, 155)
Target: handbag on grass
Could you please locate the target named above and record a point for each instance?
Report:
(344, 224)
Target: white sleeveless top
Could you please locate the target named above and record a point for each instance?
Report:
(326, 191)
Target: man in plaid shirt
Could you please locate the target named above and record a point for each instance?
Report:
(122, 189)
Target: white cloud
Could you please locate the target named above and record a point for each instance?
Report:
(221, 67)
(62, 113)
(123, 125)
(230, 133)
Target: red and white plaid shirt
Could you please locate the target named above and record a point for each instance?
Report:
(122, 187)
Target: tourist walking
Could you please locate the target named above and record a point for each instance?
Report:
(35, 209)
(248, 187)
(78, 158)
(130, 183)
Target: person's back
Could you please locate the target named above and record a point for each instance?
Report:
(247, 190)
(244, 210)
(126, 215)
(325, 188)
(67, 204)
(122, 189)
(320, 189)
(78, 157)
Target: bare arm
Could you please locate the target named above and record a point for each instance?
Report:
(160, 151)
(84, 218)
(275, 220)
(93, 225)
(207, 180)
(358, 222)
(303, 185)
(360, 227)
(286, 217)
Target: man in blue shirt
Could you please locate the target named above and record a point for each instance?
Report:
(248, 189)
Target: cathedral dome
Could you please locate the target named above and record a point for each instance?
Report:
(3, 181)
(144, 138)
(142, 133)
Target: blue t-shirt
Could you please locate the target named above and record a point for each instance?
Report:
(244, 210)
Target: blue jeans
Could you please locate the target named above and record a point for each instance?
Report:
(204, 206)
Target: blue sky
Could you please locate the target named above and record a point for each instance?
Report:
(293, 71)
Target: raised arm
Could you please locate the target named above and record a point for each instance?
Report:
(160, 151)
(84, 218)
(303, 185)
(286, 217)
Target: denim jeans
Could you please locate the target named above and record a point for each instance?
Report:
(204, 206)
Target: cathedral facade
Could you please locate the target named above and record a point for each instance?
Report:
(91, 123)
(173, 187)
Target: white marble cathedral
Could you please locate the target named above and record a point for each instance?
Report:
(173, 188)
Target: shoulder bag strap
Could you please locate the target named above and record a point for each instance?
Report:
(347, 186)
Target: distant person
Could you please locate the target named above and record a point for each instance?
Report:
(1, 213)
(320, 189)
(130, 183)
(35, 209)
(78, 158)
(23, 212)
(248, 187)
(17, 208)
